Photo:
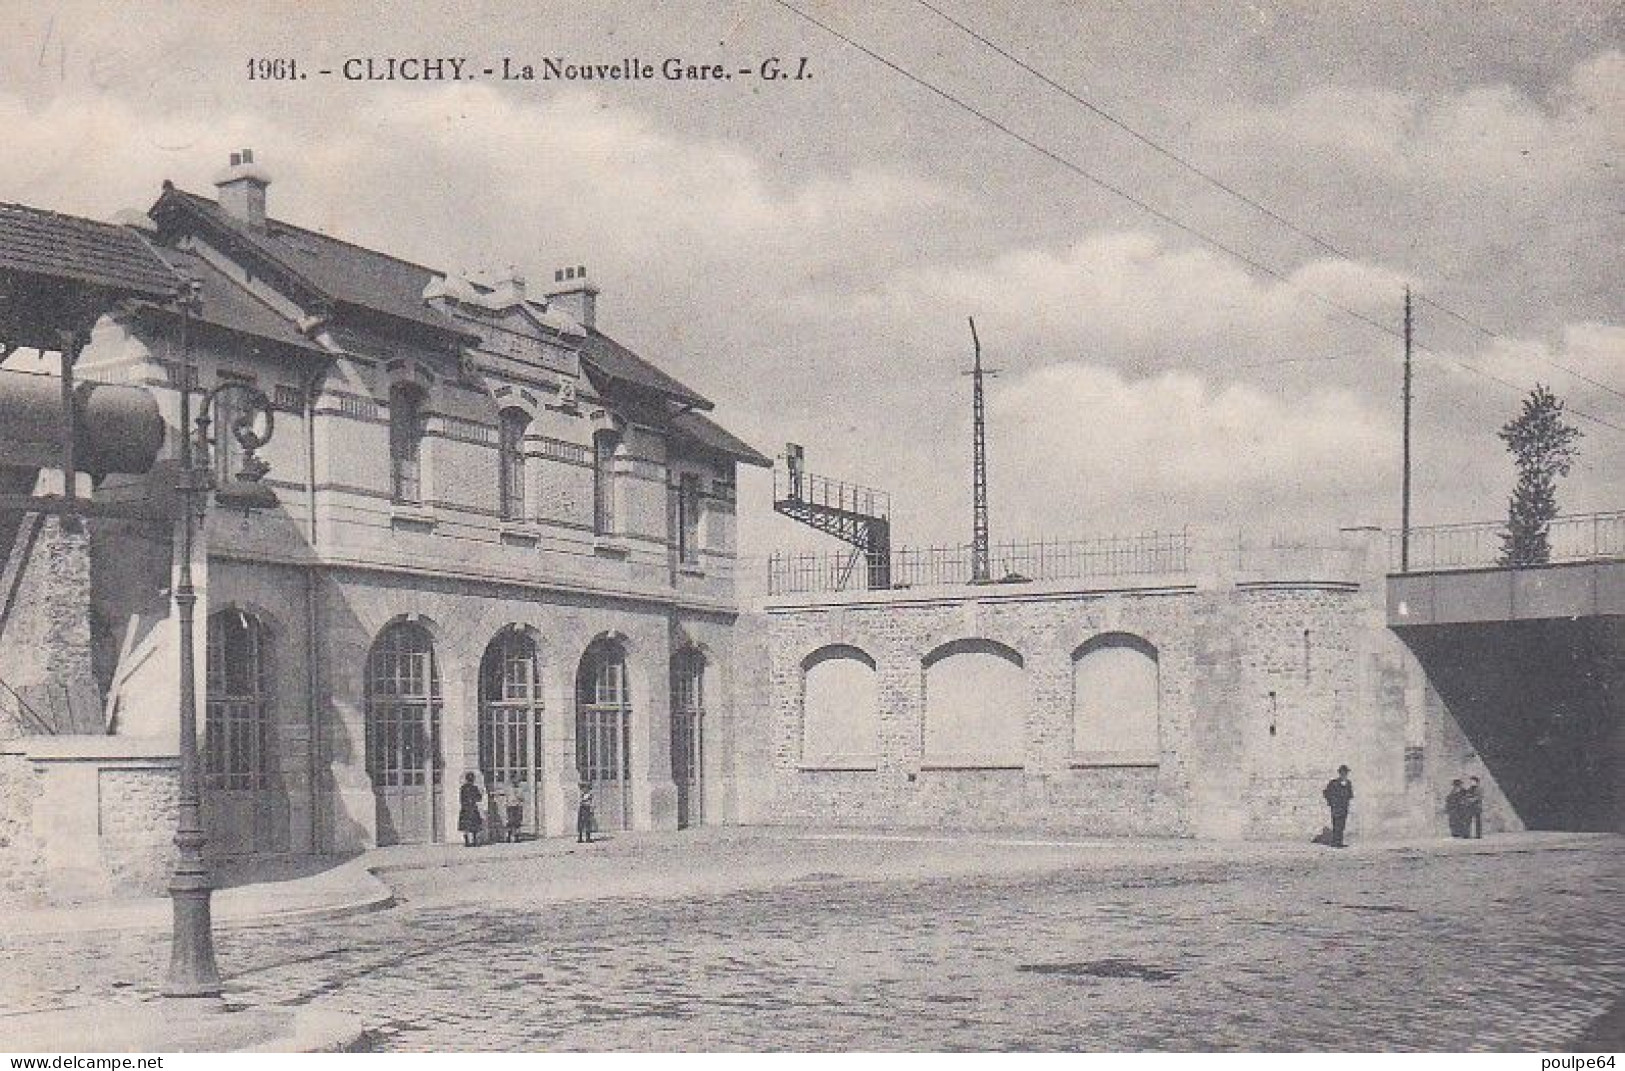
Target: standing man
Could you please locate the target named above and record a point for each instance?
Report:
(1473, 810)
(1455, 808)
(1339, 793)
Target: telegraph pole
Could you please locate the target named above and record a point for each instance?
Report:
(980, 564)
(1405, 493)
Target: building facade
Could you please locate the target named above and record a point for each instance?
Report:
(504, 545)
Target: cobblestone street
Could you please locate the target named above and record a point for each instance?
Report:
(731, 940)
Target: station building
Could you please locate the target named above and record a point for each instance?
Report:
(504, 544)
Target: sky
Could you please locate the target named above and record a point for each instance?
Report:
(806, 252)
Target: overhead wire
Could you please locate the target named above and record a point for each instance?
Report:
(1155, 212)
(1217, 182)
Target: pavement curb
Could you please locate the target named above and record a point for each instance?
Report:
(365, 893)
(182, 1026)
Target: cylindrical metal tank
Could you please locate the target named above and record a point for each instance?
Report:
(120, 428)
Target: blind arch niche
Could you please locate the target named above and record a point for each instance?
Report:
(1116, 702)
(977, 698)
(840, 727)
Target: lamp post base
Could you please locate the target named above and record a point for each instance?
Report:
(192, 969)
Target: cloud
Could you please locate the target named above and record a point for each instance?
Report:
(1150, 381)
(1116, 454)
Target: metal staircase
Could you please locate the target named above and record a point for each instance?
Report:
(852, 513)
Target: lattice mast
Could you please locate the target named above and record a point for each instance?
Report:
(980, 560)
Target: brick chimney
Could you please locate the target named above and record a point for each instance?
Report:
(242, 188)
(575, 295)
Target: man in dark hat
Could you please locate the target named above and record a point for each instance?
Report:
(1472, 817)
(1339, 793)
(1455, 808)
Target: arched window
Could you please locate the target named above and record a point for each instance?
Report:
(1116, 701)
(511, 462)
(976, 702)
(604, 729)
(604, 445)
(840, 709)
(237, 715)
(406, 442)
(403, 733)
(688, 734)
(510, 709)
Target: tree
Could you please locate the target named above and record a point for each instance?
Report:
(1543, 447)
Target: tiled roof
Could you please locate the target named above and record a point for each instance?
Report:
(707, 433)
(38, 242)
(367, 279)
(614, 361)
(346, 273)
(226, 304)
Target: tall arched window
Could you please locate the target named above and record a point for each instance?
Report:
(840, 710)
(1116, 701)
(406, 442)
(604, 729)
(511, 463)
(510, 710)
(604, 444)
(403, 733)
(976, 701)
(237, 715)
(688, 735)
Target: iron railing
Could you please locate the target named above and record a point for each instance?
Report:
(1573, 538)
(938, 567)
(811, 490)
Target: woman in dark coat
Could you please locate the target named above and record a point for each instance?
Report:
(468, 811)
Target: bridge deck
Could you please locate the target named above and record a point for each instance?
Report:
(1565, 590)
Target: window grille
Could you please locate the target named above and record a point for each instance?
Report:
(403, 709)
(510, 701)
(236, 718)
(687, 717)
(603, 717)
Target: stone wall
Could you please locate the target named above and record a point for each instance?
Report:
(1272, 669)
(22, 852)
(138, 809)
(85, 818)
(45, 630)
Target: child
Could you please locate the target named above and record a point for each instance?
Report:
(584, 816)
(516, 815)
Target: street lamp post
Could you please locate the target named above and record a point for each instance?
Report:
(192, 968)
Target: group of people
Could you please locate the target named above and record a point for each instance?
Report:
(471, 820)
(1464, 807)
